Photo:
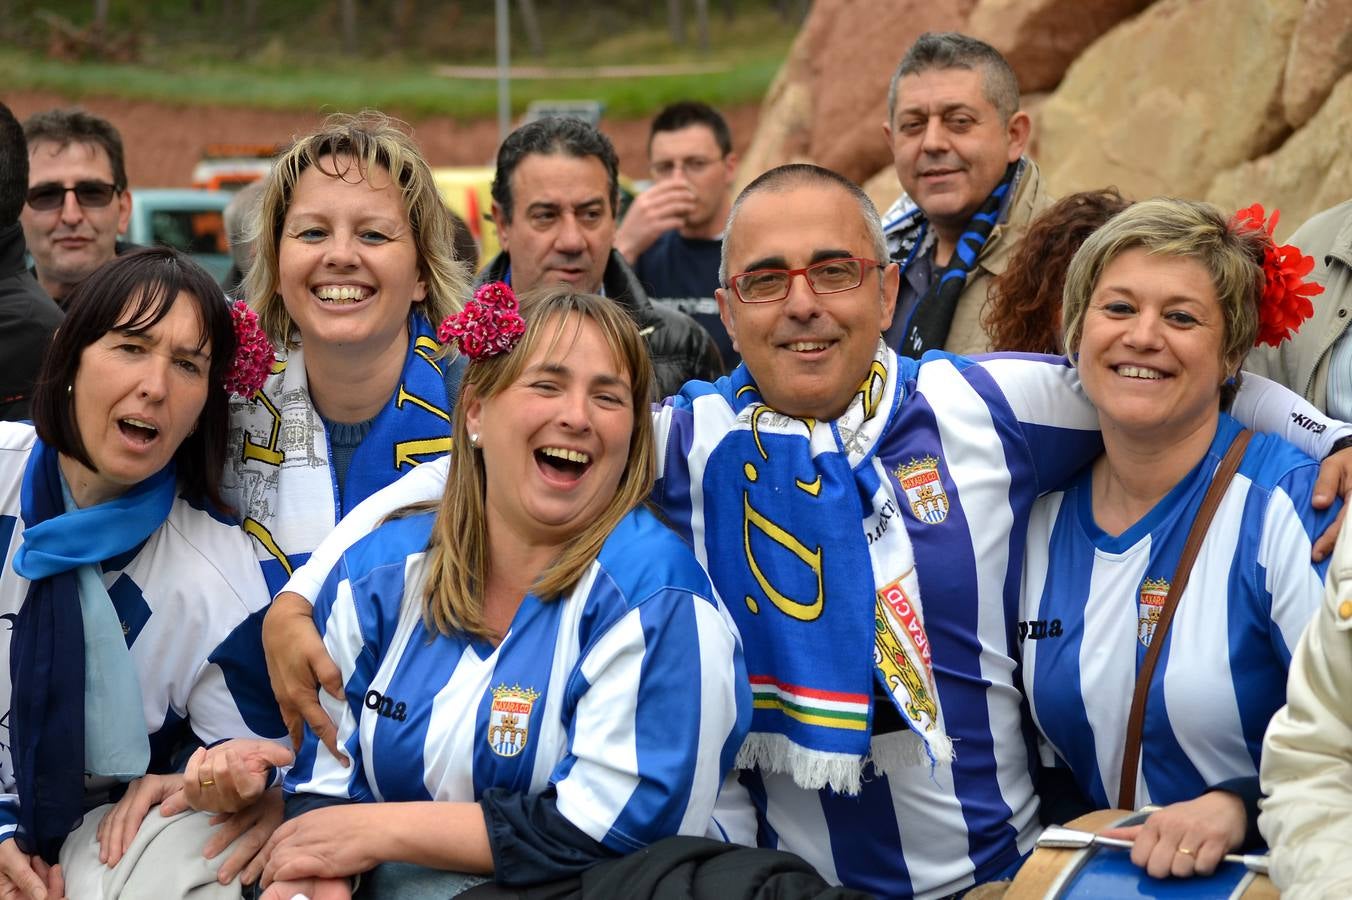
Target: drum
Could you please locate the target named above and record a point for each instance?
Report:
(1102, 873)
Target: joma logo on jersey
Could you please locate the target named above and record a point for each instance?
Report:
(1040, 629)
(385, 706)
(920, 479)
(1153, 592)
(509, 719)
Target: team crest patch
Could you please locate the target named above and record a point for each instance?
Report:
(509, 719)
(1153, 592)
(924, 489)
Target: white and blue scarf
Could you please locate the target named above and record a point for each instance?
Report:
(279, 432)
(824, 606)
(48, 718)
(908, 235)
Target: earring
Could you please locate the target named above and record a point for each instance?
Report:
(474, 439)
(70, 389)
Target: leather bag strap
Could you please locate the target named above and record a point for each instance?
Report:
(1131, 751)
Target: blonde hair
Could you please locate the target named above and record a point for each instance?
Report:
(1166, 226)
(458, 557)
(370, 140)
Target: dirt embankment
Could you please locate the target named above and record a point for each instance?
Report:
(163, 142)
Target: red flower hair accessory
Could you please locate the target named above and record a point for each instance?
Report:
(253, 353)
(1285, 303)
(489, 324)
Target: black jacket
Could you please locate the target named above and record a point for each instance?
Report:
(681, 349)
(685, 868)
(28, 317)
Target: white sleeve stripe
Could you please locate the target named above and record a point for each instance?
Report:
(1037, 392)
(605, 772)
(716, 715)
(1292, 582)
(343, 640)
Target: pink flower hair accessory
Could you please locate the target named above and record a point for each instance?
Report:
(253, 353)
(1285, 303)
(489, 325)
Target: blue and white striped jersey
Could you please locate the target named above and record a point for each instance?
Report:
(989, 438)
(629, 695)
(191, 600)
(1090, 601)
(1000, 433)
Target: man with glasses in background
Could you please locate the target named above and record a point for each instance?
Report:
(78, 200)
(672, 233)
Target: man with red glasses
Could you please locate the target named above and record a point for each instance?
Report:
(78, 200)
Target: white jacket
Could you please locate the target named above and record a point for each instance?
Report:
(1307, 754)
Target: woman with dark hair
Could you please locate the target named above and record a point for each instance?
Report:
(537, 673)
(1024, 312)
(135, 610)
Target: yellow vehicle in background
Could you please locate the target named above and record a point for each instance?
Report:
(468, 191)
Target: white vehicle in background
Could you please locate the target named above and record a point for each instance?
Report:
(187, 219)
(228, 167)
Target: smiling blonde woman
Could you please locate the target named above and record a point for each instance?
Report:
(353, 271)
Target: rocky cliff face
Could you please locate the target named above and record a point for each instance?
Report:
(1235, 101)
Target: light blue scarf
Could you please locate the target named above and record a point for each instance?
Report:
(116, 744)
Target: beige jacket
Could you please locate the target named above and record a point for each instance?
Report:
(1307, 754)
(966, 335)
(1302, 362)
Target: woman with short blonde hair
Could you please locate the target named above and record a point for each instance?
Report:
(1161, 305)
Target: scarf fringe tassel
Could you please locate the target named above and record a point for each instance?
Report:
(841, 772)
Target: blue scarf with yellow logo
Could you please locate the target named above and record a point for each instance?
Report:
(796, 521)
(280, 477)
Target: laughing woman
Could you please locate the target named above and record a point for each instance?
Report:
(353, 266)
(1161, 305)
(537, 675)
(135, 613)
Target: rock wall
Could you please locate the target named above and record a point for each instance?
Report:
(1154, 109)
(1235, 101)
(829, 101)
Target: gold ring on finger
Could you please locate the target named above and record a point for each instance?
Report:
(207, 782)
(1185, 851)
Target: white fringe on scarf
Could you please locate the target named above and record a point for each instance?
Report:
(890, 754)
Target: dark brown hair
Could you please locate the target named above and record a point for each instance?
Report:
(134, 291)
(64, 127)
(1024, 312)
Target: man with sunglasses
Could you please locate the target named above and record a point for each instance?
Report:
(78, 200)
(672, 233)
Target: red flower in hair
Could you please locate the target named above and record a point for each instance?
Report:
(1285, 303)
(253, 353)
(488, 325)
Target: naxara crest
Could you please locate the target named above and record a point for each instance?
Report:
(509, 719)
(1153, 592)
(924, 489)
